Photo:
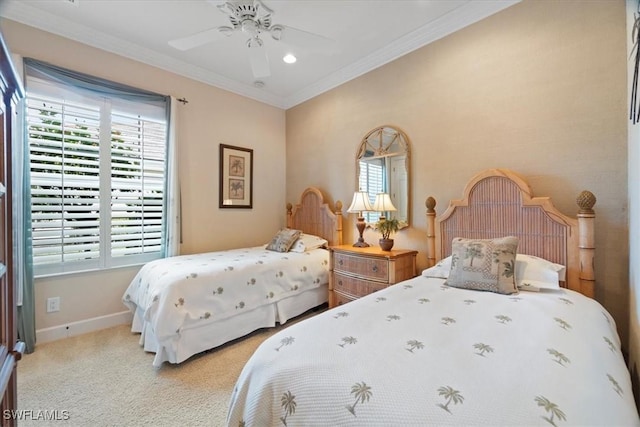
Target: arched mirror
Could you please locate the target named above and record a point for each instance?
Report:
(382, 167)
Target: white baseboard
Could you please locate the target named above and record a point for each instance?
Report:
(83, 326)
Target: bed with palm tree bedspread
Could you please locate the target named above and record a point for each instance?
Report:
(187, 304)
(451, 347)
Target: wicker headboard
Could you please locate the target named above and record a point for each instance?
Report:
(313, 216)
(497, 203)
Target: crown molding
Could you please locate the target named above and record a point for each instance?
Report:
(465, 15)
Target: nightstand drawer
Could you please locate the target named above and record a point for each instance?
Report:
(367, 267)
(339, 299)
(356, 287)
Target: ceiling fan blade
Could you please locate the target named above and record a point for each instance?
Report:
(303, 39)
(259, 61)
(203, 37)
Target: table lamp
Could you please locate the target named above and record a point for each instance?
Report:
(383, 204)
(359, 204)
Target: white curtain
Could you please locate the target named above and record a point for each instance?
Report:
(173, 225)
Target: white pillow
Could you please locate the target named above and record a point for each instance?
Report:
(534, 273)
(440, 270)
(307, 242)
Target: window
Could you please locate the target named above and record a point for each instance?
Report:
(97, 177)
(372, 182)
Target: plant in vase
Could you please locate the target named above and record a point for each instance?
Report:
(386, 227)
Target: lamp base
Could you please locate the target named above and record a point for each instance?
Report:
(361, 244)
(360, 225)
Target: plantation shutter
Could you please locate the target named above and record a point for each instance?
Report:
(372, 181)
(65, 181)
(137, 184)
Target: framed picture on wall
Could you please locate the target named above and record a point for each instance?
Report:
(236, 177)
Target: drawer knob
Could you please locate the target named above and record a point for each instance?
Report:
(375, 268)
(340, 262)
(340, 282)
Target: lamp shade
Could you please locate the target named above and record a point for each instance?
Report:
(383, 203)
(360, 202)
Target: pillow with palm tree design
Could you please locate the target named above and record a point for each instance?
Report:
(283, 240)
(484, 264)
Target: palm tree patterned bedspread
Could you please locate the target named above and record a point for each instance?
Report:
(422, 353)
(180, 292)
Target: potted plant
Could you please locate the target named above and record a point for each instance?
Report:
(386, 227)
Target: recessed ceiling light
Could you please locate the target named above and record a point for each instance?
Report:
(289, 58)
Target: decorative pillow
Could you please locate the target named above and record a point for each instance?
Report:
(283, 240)
(307, 242)
(440, 270)
(534, 273)
(484, 264)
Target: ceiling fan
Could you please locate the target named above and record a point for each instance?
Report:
(253, 19)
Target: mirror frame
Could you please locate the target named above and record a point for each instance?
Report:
(404, 144)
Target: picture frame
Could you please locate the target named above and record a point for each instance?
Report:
(236, 177)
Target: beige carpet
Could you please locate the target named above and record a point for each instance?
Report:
(106, 379)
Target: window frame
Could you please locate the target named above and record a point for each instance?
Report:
(67, 94)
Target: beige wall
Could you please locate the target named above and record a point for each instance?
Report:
(634, 224)
(211, 117)
(539, 88)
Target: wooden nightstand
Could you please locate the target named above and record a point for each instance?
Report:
(356, 272)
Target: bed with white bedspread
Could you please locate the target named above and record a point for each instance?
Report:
(420, 353)
(187, 304)
(450, 348)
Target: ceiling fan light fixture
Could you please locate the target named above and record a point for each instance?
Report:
(276, 32)
(250, 26)
(254, 42)
(289, 58)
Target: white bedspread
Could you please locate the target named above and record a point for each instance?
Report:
(193, 290)
(419, 353)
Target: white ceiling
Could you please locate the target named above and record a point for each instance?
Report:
(364, 34)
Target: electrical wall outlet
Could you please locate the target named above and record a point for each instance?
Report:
(53, 304)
